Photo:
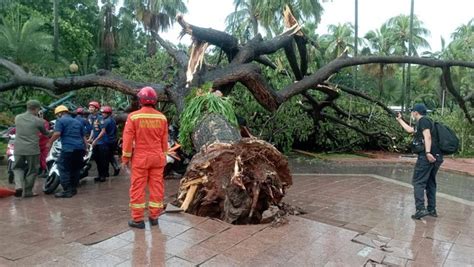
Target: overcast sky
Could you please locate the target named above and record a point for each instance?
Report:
(440, 17)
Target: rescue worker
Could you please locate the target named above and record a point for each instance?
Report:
(80, 116)
(95, 120)
(146, 133)
(111, 131)
(27, 149)
(73, 147)
(104, 143)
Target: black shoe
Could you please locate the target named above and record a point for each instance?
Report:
(420, 214)
(97, 179)
(153, 221)
(30, 195)
(64, 194)
(102, 179)
(433, 213)
(18, 192)
(116, 171)
(134, 224)
(74, 192)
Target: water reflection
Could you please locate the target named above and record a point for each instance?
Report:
(148, 248)
(454, 184)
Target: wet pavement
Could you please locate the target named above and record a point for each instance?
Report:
(352, 219)
(459, 184)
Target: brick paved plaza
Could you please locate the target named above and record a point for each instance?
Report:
(352, 220)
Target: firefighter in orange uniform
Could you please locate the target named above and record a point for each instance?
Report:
(145, 142)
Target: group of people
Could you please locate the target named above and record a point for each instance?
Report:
(75, 131)
(145, 144)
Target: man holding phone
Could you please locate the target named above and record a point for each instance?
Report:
(428, 163)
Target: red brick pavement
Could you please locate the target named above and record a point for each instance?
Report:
(350, 220)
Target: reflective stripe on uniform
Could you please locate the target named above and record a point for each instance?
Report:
(147, 116)
(137, 206)
(152, 204)
(126, 154)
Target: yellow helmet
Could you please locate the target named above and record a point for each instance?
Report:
(60, 108)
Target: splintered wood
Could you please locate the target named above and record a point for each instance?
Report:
(235, 182)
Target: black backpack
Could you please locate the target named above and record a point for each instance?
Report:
(447, 140)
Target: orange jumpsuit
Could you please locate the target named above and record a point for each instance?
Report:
(145, 141)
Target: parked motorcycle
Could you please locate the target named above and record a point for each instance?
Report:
(176, 160)
(52, 180)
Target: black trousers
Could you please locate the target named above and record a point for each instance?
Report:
(113, 161)
(102, 159)
(70, 165)
(424, 178)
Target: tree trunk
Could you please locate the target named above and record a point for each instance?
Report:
(56, 30)
(381, 74)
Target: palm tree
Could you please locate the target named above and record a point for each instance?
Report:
(432, 78)
(250, 14)
(127, 29)
(108, 31)
(401, 35)
(25, 43)
(244, 18)
(339, 37)
(379, 41)
(156, 15)
(463, 41)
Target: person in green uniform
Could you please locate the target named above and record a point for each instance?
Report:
(25, 169)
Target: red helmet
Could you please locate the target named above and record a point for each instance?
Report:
(147, 96)
(80, 111)
(106, 109)
(94, 104)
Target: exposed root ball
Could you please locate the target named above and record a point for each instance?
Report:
(235, 182)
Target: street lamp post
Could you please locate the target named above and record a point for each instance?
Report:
(73, 68)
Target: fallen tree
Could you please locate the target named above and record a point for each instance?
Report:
(232, 178)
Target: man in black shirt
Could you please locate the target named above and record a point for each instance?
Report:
(427, 165)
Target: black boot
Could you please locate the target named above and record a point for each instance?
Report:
(420, 214)
(18, 192)
(67, 193)
(433, 213)
(153, 221)
(134, 224)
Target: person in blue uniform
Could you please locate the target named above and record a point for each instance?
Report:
(80, 116)
(73, 146)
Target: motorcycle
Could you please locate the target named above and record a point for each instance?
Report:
(176, 160)
(52, 180)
